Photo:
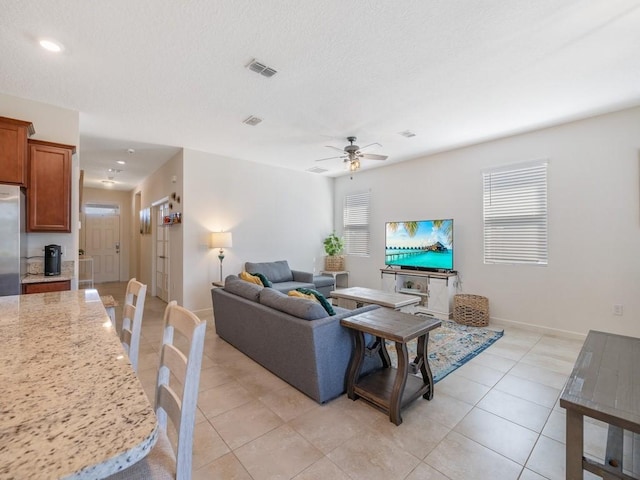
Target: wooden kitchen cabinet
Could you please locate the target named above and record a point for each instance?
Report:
(49, 187)
(14, 150)
(44, 287)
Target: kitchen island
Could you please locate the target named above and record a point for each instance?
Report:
(71, 404)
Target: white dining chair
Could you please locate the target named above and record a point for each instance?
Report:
(162, 462)
(132, 312)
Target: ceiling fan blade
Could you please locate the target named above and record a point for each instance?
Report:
(335, 148)
(328, 158)
(370, 145)
(371, 156)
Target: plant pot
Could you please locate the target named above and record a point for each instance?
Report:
(334, 263)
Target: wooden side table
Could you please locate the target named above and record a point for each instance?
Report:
(340, 277)
(390, 389)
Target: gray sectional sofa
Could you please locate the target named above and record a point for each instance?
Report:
(284, 279)
(292, 337)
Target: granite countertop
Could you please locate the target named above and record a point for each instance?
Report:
(41, 278)
(72, 407)
(35, 272)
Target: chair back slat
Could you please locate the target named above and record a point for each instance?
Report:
(176, 361)
(132, 312)
(186, 366)
(168, 400)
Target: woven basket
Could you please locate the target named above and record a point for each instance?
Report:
(334, 263)
(471, 310)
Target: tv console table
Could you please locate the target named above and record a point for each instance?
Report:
(436, 289)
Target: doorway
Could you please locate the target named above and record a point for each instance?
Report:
(102, 241)
(162, 252)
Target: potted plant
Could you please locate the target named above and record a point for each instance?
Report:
(333, 245)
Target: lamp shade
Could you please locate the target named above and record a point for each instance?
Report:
(220, 240)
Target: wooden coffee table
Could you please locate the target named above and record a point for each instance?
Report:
(390, 388)
(354, 297)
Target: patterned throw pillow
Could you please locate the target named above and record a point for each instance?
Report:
(308, 296)
(323, 301)
(247, 277)
(265, 281)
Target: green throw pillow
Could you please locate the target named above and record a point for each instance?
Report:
(265, 281)
(323, 301)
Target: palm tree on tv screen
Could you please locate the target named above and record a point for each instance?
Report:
(437, 224)
(410, 227)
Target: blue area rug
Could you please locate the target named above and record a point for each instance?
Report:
(451, 346)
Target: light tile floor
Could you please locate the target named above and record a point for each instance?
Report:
(497, 417)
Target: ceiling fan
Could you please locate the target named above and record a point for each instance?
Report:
(352, 154)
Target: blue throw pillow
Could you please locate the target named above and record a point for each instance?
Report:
(265, 281)
(323, 301)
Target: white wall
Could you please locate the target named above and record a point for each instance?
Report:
(123, 200)
(273, 214)
(156, 187)
(59, 125)
(594, 222)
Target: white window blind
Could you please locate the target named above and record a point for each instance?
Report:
(515, 214)
(356, 224)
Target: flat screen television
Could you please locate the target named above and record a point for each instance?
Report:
(420, 245)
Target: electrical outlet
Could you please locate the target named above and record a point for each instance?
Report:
(617, 309)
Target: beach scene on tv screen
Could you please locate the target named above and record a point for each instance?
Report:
(421, 244)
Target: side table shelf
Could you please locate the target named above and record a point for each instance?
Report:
(85, 272)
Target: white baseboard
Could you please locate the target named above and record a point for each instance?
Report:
(556, 332)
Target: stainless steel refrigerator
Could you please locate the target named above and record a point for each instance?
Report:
(13, 241)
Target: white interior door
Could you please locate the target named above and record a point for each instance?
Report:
(103, 244)
(162, 253)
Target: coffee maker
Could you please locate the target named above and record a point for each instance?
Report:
(52, 260)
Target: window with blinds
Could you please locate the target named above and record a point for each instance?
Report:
(356, 224)
(515, 214)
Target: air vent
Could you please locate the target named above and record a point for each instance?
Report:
(261, 68)
(407, 133)
(317, 170)
(251, 120)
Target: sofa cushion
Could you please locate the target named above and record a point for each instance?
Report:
(298, 307)
(247, 277)
(276, 272)
(250, 291)
(263, 278)
(321, 299)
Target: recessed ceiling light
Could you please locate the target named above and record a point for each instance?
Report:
(407, 133)
(51, 45)
(121, 162)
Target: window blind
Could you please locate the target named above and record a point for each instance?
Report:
(515, 214)
(356, 224)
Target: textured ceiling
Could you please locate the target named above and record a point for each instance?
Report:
(152, 73)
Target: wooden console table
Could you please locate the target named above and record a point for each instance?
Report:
(390, 388)
(604, 385)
